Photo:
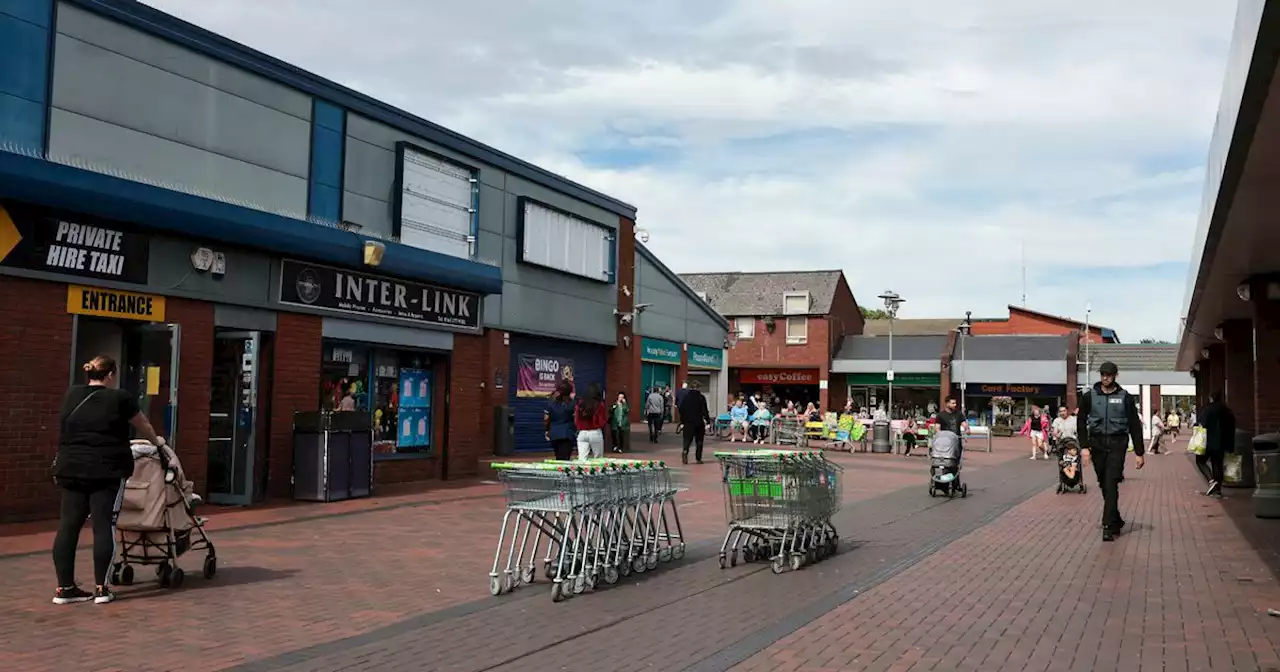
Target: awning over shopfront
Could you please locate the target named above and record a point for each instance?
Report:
(1237, 239)
(1011, 360)
(870, 354)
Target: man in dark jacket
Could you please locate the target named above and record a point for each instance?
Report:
(1219, 439)
(1107, 423)
(696, 416)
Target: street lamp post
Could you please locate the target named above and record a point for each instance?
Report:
(965, 329)
(1088, 370)
(891, 303)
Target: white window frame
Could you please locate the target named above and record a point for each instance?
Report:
(554, 239)
(746, 327)
(787, 298)
(437, 203)
(803, 337)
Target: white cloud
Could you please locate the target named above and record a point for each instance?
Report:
(916, 145)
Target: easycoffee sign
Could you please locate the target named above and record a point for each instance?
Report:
(346, 291)
(778, 376)
(33, 241)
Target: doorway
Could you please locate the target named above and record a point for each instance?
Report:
(147, 358)
(234, 436)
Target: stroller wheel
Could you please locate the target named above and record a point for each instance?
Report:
(932, 492)
(210, 567)
(964, 490)
(165, 573)
(176, 577)
(126, 575)
(1083, 488)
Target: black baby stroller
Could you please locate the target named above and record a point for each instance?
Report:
(944, 466)
(1070, 467)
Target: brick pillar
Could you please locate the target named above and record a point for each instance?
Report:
(1217, 364)
(1073, 368)
(947, 363)
(195, 377)
(1266, 366)
(1153, 401)
(837, 392)
(623, 367)
(1201, 376)
(1239, 391)
(295, 386)
(469, 407)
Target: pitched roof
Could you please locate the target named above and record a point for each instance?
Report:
(678, 281)
(1106, 332)
(915, 327)
(1133, 357)
(1000, 347)
(760, 294)
(904, 347)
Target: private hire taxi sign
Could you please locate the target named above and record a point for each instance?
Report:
(38, 240)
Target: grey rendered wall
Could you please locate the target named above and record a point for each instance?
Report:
(672, 315)
(533, 300)
(132, 103)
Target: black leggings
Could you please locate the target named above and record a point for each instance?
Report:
(80, 499)
(1210, 465)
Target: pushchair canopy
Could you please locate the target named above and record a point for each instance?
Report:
(945, 446)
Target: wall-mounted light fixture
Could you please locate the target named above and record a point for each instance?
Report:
(1204, 353)
(1218, 333)
(1244, 291)
(373, 251)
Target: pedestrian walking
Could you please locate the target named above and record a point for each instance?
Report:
(653, 407)
(93, 462)
(952, 419)
(557, 421)
(1037, 427)
(620, 422)
(1158, 430)
(590, 419)
(1108, 423)
(1219, 424)
(696, 416)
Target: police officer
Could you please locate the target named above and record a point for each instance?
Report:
(1107, 422)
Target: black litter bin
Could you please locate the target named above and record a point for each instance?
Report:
(332, 456)
(881, 437)
(1266, 463)
(504, 431)
(1243, 448)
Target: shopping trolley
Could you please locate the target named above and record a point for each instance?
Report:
(601, 519)
(779, 506)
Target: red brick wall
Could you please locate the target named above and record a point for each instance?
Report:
(845, 316)
(295, 387)
(470, 410)
(1073, 368)
(1239, 371)
(1026, 324)
(947, 360)
(768, 350)
(1266, 334)
(622, 372)
(195, 320)
(36, 331)
(1153, 401)
(1217, 370)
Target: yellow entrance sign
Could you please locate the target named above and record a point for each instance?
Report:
(9, 236)
(114, 303)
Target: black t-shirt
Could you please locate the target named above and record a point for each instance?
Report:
(1037, 423)
(950, 421)
(94, 441)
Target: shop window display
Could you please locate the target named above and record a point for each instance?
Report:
(396, 387)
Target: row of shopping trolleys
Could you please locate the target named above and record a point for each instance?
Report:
(592, 522)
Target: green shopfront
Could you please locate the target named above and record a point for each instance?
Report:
(912, 392)
(659, 363)
(704, 368)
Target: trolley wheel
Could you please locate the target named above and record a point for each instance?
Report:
(665, 554)
(557, 592)
(678, 551)
(733, 559)
(549, 571)
(579, 584)
(823, 551)
(778, 565)
(748, 555)
(509, 582)
(964, 490)
(624, 567)
(529, 575)
(592, 580)
(175, 578)
(652, 561)
(610, 575)
(810, 556)
(724, 561)
(165, 573)
(126, 575)
(210, 566)
(638, 564)
(495, 585)
(797, 561)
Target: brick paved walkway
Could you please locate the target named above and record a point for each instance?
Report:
(401, 584)
(1039, 590)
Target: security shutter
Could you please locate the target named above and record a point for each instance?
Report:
(589, 362)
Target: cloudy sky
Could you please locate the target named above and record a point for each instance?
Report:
(918, 146)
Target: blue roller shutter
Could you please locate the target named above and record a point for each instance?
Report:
(589, 363)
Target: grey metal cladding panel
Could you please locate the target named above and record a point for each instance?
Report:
(104, 85)
(493, 310)
(541, 311)
(489, 246)
(248, 277)
(520, 187)
(706, 335)
(904, 347)
(386, 137)
(1019, 348)
(652, 277)
(528, 275)
(493, 210)
(665, 327)
(372, 215)
(108, 34)
(1011, 372)
(370, 170)
(671, 305)
(143, 156)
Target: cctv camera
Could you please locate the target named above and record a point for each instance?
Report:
(640, 307)
(625, 319)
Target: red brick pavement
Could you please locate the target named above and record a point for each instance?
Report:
(1039, 591)
(290, 585)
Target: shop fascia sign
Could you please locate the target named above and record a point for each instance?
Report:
(778, 377)
(33, 240)
(1015, 390)
(705, 358)
(353, 292)
(662, 352)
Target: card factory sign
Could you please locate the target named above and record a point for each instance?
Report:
(29, 239)
(314, 286)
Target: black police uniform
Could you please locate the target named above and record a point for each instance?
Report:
(1108, 421)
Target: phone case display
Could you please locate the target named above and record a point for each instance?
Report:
(414, 417)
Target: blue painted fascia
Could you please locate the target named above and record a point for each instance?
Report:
(173, 29)
(55, 185)
(26, 47)
(328, 155)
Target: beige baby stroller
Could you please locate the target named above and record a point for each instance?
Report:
(157, 523)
